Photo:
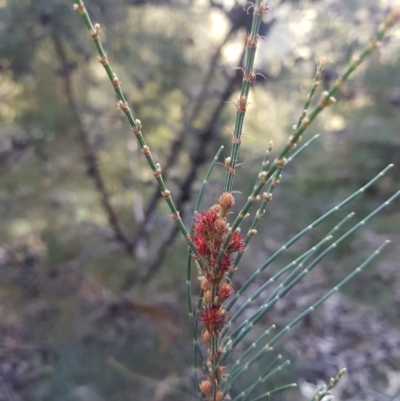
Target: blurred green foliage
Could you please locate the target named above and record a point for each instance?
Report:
(65, 306)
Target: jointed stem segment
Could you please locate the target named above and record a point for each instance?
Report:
(214, 241)
(135, 124)
(249, 75)
(326, 100)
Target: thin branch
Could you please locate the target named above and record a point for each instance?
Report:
(176, 147)
(90, 156)
(198, 157)
(136, 126)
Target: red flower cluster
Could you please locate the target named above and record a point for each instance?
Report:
(210, 233)
(213, 318)
(210, 230)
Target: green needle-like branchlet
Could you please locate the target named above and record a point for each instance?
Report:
(261, 210)
(267, 196)
(252, 347)
(245, 393)
(297, 263)
(221, 339)
(303, 232)
(275, 391)
(249, 75)
(268, 373)
(326, 389)
(327, 99)
(135, 124)
(269, 303)
(266, 348)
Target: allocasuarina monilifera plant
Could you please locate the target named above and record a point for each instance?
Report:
(217, 245)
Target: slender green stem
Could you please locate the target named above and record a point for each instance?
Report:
(275, 391)
(196, 348)
(325, 390)
(297, 263)
(228, 341)
(313, 250)
(135, 124)
(303, 232)
(261, 379)
(243, 395)
(205, 181)
(251, 348)
(311, 92)
(263, 309)
(249, 75)
(261, 210)
(276, 178)
(334, 290)
(302, 148)
(326, 100)
(265, 162)
(246, 326)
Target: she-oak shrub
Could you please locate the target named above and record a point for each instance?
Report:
(216, 245)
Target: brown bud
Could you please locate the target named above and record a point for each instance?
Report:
(215, 208)
(206, 336)
(220, 224)
(138, 127)
(206, 387)
(219, 396)
(94, 33)
(208, 297)
(241, 105)
(205, 285)
(224, 291)
(267, 196)
(79, 7)
(280, 162)
(115, 82)
(146, 152)
(226, 200)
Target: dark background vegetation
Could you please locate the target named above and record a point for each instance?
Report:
(92, 303)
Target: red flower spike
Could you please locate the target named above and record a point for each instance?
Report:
(236, 243)
(224, 291)
(212, 318)
(201, 246)
(204, 224)
(226, 263)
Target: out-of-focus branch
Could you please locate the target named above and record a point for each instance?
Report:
(90, 156)
(238, 19)
(143, 230)
(198, 157)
